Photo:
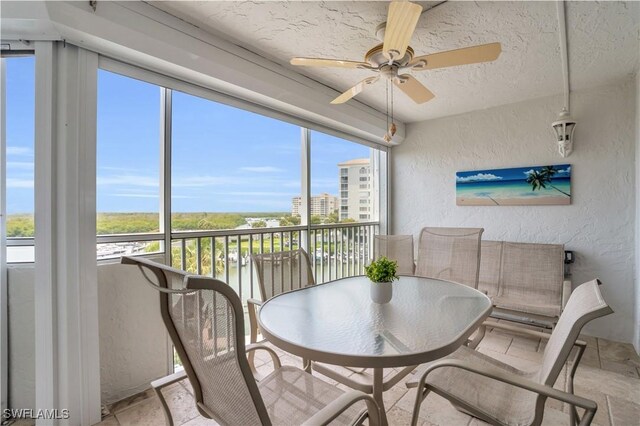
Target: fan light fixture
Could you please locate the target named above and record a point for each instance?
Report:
(564, 127)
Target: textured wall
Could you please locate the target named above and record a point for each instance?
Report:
(22, 361)
(599, 225)
(133, 340)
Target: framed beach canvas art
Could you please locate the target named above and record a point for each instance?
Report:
(520, 186)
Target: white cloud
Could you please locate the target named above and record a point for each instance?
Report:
(528, 172)
(567, 170)
(19, 183)
(133, 195)
(259, 194)
(19, 150)
(129, 180)
(262, 169)
(23, 165)
(200, 181)
(478, 177)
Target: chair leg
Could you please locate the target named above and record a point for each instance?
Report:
(165, 406)
(421, 394)
(478, 337)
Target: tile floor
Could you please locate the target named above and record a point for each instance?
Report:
(609, 374)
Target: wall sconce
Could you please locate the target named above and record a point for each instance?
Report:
(564, 128)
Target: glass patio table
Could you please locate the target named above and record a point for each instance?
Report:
(337, 323)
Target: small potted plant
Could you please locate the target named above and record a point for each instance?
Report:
(381, 272)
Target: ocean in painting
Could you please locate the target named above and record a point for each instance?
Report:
(521, 186)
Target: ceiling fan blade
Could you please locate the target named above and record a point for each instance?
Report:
(354, 90)
(334, 63)
(414, 89)
(451, 58)
(401, 22)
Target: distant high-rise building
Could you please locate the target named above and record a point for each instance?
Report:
(355, 190)
(321, 205)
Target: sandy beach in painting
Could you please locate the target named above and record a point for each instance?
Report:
(538, 201)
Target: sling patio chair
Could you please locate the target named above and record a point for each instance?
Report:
(451, 254)
(205, 321)
(278, 273)
(503, 395)
(398, 248)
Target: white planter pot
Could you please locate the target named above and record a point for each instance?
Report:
(381, 292)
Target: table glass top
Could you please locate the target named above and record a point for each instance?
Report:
(339, 317)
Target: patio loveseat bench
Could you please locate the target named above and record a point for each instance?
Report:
(526, 282)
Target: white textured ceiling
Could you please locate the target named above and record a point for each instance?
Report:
(604, 45)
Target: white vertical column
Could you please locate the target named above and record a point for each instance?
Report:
(46, 369)
(67, 344)
(305, 197)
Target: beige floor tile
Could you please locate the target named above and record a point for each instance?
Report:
(592, 342)
(553, 417)
(590, 357)
(496, 342)
(23, 422)
(149, 411)
(619, 352)
(525, 354)
(602, 414)
(525, 344)
(108, 421)
(130, 401)
(623, 413)
(398, 417)
(620, 368)
(393, 395)
(200, 421)
(608, 382)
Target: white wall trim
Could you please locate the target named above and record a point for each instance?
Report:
(46, 370)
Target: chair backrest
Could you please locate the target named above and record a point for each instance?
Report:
(490, 264)
(398, 248)
(282, 271)
(205, 321)
(451, 254)
(585, 304)
(533, 272)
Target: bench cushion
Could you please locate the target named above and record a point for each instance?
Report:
(532, 274)
(523, 277)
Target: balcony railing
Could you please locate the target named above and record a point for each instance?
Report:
(336, 251)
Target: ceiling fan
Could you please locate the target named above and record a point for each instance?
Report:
(394, 56)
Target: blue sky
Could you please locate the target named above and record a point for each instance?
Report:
(20, 117)
(516, 173)
(224, 159)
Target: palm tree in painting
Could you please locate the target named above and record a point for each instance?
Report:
(539, 179)
(536, 179)
(549, 171)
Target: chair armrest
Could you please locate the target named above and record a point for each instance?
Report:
(274, 356)
(340, 405)
(528, 332)
(169, 380)
(252, 307)
(566, 291)
(516, 329)
(514, 380)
